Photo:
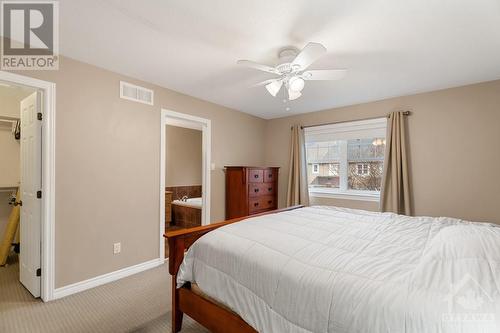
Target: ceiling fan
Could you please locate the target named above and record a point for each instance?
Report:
(292, 70)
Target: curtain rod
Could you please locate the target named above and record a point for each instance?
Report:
(405, 113)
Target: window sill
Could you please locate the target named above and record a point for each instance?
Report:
(348, 195)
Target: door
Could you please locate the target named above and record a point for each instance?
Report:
(31, 174)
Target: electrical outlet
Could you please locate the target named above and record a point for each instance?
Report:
(117, 248)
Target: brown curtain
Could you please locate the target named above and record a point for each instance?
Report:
(298, 192)
(395, 196)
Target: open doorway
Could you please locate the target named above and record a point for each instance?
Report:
(34, 235)
(184, 173)
(20, 185)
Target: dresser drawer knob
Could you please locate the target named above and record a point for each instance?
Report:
(256, 204)
(269, 189)
(256, 190)
(270, 202)
(256, 176)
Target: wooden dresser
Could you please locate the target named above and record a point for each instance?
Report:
(250, 190)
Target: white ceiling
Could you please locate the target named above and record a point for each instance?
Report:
(390, 47)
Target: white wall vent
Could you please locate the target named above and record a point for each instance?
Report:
(136, 93)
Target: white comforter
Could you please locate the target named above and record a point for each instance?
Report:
(327, 269)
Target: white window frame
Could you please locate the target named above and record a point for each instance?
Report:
(346, 131)
(315, 168)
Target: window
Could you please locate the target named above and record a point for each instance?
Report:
(362, 169)
(315, 168)
(346, 159)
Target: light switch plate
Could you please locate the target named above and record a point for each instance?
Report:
(117, 248)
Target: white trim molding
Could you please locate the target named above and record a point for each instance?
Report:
(169, 117)
(48, 90)
(106, 278)
(348, 195)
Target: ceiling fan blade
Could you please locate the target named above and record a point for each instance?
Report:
(274, 87)
(266, 82)
(292, 95)
(258, 66)
(309, 54)
(324, 74)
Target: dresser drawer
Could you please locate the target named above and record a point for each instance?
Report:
(270, 175)
(250, 190)
(255, 176)
(261, 203)
(260, 189)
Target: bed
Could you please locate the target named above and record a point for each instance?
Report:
(330, 269)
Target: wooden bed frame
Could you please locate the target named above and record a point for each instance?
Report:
(209, 314)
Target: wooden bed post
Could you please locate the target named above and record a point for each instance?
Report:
(207, 313)
(176, 312)
(176, 255)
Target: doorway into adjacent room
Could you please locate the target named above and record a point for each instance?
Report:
(185, 172)
(20, 187)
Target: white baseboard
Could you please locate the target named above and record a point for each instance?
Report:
(105, 278)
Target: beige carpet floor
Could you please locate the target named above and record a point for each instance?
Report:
(139, 303)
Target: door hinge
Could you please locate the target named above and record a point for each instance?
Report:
(39, 272)
(39, 116)
(39, 194)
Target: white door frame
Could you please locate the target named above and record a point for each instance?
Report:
(169, 117)
(48, 90)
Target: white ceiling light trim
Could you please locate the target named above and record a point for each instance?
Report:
(293, 95)
(274, 87)
(296, 83)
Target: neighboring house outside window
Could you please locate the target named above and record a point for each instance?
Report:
(362, 169)
(315, 168)
(345, 160)
(333, 169)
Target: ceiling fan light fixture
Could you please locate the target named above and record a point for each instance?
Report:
(293, 95)
(292, 73)
(274, 87)
(296, 84)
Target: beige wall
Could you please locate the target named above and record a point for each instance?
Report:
(183, 156)
(9, 172)
(107, 160)
(454, 148)
(9, 156)
(10, 99)
(108, 166)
